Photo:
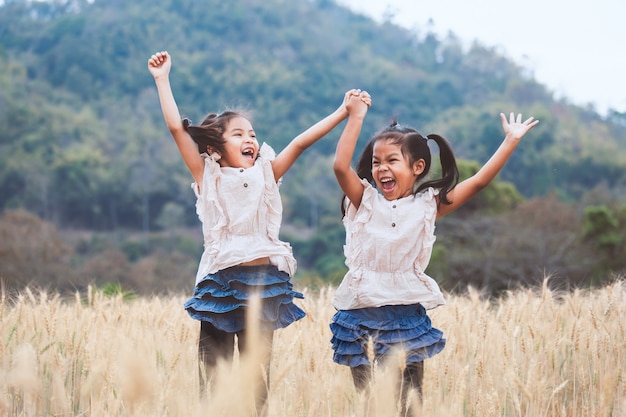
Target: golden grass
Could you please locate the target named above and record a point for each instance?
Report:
(532, 353)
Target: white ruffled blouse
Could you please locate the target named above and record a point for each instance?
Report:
(241, 212)
(388, 247)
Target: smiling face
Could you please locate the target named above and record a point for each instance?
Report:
(392, 171)
(241, 147)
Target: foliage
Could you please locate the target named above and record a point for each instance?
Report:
(114, 290)
(604, 229)
(77, 99)
(518, 248)
(498, 197)
(83, 145)
(31, 252)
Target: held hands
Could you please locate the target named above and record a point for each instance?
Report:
(160, 64)
(515, 129)
(357, 102)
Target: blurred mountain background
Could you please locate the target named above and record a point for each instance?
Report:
(94, 192)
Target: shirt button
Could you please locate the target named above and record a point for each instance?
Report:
(394, 206)
(245, 184)
(393, 225)
(240, 169)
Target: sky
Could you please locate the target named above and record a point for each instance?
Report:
(576, 49)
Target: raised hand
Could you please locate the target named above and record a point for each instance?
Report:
(160, 64)
(514, 128)
(366, 98)
(358, 102)
(350, 94)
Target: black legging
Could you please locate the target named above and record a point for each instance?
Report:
(412, 378)
(215, 345)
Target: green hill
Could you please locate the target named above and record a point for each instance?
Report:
(83, 144)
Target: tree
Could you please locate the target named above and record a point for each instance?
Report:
(604, 229)
(515, 248)
(31, 252)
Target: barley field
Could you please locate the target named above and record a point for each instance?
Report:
(531, 353)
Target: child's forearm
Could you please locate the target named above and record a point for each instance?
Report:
(168, 104)
(320, 129)
(348, 180)
(514, 130)
(186, 146)
(300, 143)
(494, 165)
(347, 144)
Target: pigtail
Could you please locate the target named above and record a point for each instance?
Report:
(189, 128)
(210, 134)
(364, 165)
(449, 170)
(344, 205)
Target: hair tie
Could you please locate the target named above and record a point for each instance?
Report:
(395, 125)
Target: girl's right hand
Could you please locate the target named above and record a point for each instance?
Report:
(160, 64)
(366, 98)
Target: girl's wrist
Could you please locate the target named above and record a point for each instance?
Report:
(161, 78)
(509, 138)
(342, 112)
(357, 117)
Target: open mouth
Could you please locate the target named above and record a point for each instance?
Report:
(248, 153)
(387, 184)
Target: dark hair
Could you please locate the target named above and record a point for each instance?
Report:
(415, 147)
(211, 130)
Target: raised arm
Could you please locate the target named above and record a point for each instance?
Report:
(159, 66)
(285, 159)
(347, 177)
(514, 130)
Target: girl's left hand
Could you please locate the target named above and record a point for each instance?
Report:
(366, 98)
(515, 128)
(348, 96)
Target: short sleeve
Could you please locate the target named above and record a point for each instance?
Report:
(428, 196)
(267, 152)
(208, 205)
(364, 212)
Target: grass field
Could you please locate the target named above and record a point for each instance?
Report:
(532, 353)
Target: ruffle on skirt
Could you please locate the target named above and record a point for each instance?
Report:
(401, 326)
(222, 298)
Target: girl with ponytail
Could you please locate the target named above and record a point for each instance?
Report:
(239, 205)
(390, 208)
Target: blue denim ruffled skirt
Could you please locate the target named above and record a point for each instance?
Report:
(222, 298)
(400, 326)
